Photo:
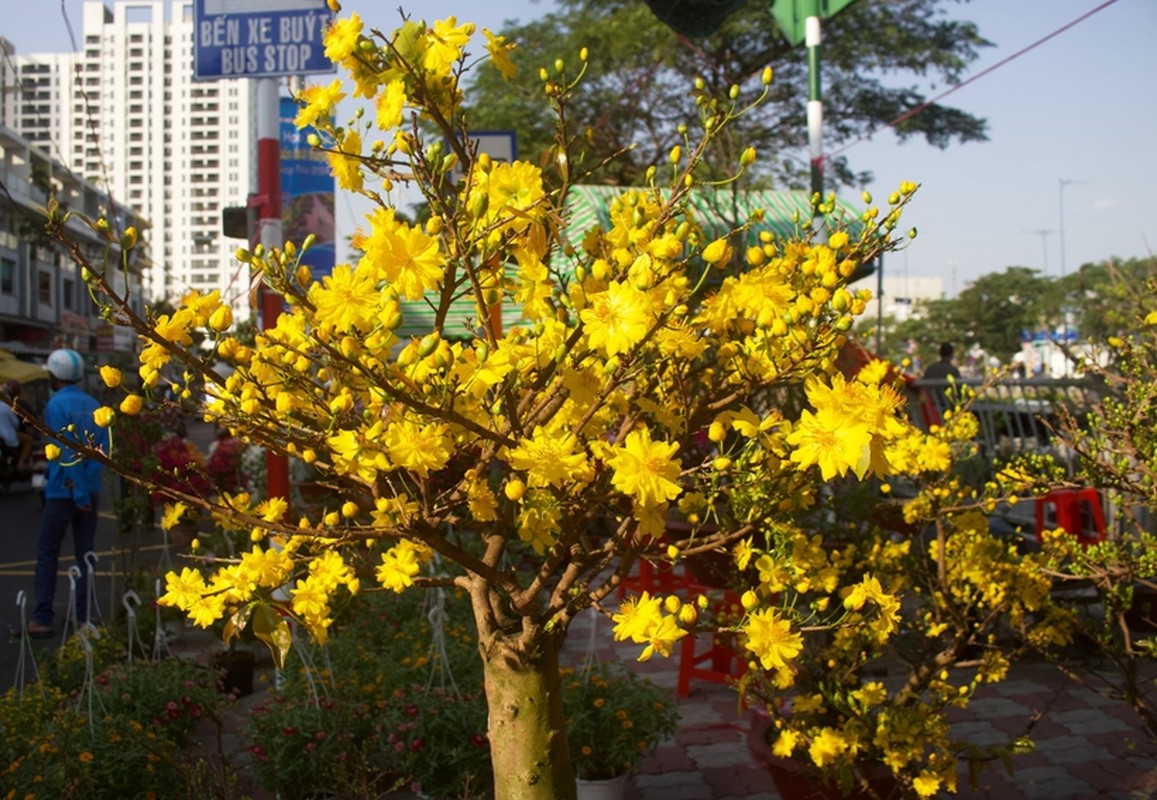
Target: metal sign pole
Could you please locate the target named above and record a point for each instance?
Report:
(270, 236)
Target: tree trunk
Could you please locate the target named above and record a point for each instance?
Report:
(527, 728)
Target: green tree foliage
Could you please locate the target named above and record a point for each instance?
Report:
(1106, 298)
(634, 95)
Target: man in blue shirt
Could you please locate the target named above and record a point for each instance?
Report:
(72, 488)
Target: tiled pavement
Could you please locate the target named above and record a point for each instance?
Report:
(1086, 746)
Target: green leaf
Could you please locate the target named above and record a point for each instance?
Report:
(236, 624)
(271, 628)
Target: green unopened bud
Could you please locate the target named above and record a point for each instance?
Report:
(314, 140)
(309, 240)
(428, 344)
(747, 158)
(733, 92)
(912, 233)
(129, 238)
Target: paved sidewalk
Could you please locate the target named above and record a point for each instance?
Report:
(1086, 746)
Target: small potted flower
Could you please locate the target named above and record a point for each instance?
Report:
(615, 718)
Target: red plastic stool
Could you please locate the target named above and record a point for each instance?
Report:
(656, 578)
(1078, 511)
(717, 663)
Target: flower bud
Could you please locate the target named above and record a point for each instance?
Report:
(103, 416)
(131, 405)
(222, 318)
(111, 376)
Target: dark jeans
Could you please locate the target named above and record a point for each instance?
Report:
(59, 516)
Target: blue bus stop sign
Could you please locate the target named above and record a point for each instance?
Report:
(259, 38)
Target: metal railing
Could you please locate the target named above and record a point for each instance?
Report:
(1015, 416)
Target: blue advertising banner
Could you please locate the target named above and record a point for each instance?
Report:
(307, 194)
(259, 38)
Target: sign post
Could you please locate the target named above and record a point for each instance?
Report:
(264, 40)
(800, 22)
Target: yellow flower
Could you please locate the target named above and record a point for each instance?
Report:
(111, 376)
(345, 164)
(320, 102)
(401, 563)
(86, 757)
(636, 616)
(617, 319)
(499, 50)
(549, 458)
(103, 416)
(926, 784)
(419, 449)
(132, 404)
(341, 39)
(447, 39)
(785, 744)
(391, 105)
(827, 746)
(173, 514)
(718, 252)
(222, 318)
(771, 638)
(829, 440)
(183, 590)
(646, 470)
(404, 256)
(346, 299)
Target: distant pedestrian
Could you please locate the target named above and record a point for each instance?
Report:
(942, 369)
(72, 488)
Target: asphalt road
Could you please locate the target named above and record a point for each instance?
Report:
(20, 512)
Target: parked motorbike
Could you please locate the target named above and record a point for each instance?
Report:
(33, 475)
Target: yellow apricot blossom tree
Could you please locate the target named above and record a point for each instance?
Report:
(539, 462)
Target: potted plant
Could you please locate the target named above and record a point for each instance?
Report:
(881, 632)
(614, 719)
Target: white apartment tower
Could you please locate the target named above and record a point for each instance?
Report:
(126, 114)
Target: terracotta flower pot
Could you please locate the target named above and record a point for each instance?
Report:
(799, 779)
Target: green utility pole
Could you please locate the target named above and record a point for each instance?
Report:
(800, 22)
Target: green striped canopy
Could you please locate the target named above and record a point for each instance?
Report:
(716, 211)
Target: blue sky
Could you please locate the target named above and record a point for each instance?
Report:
(1081, 107)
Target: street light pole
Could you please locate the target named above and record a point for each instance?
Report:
(1063, 182)
(1044, 235)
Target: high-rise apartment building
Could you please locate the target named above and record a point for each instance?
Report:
(125, 113)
